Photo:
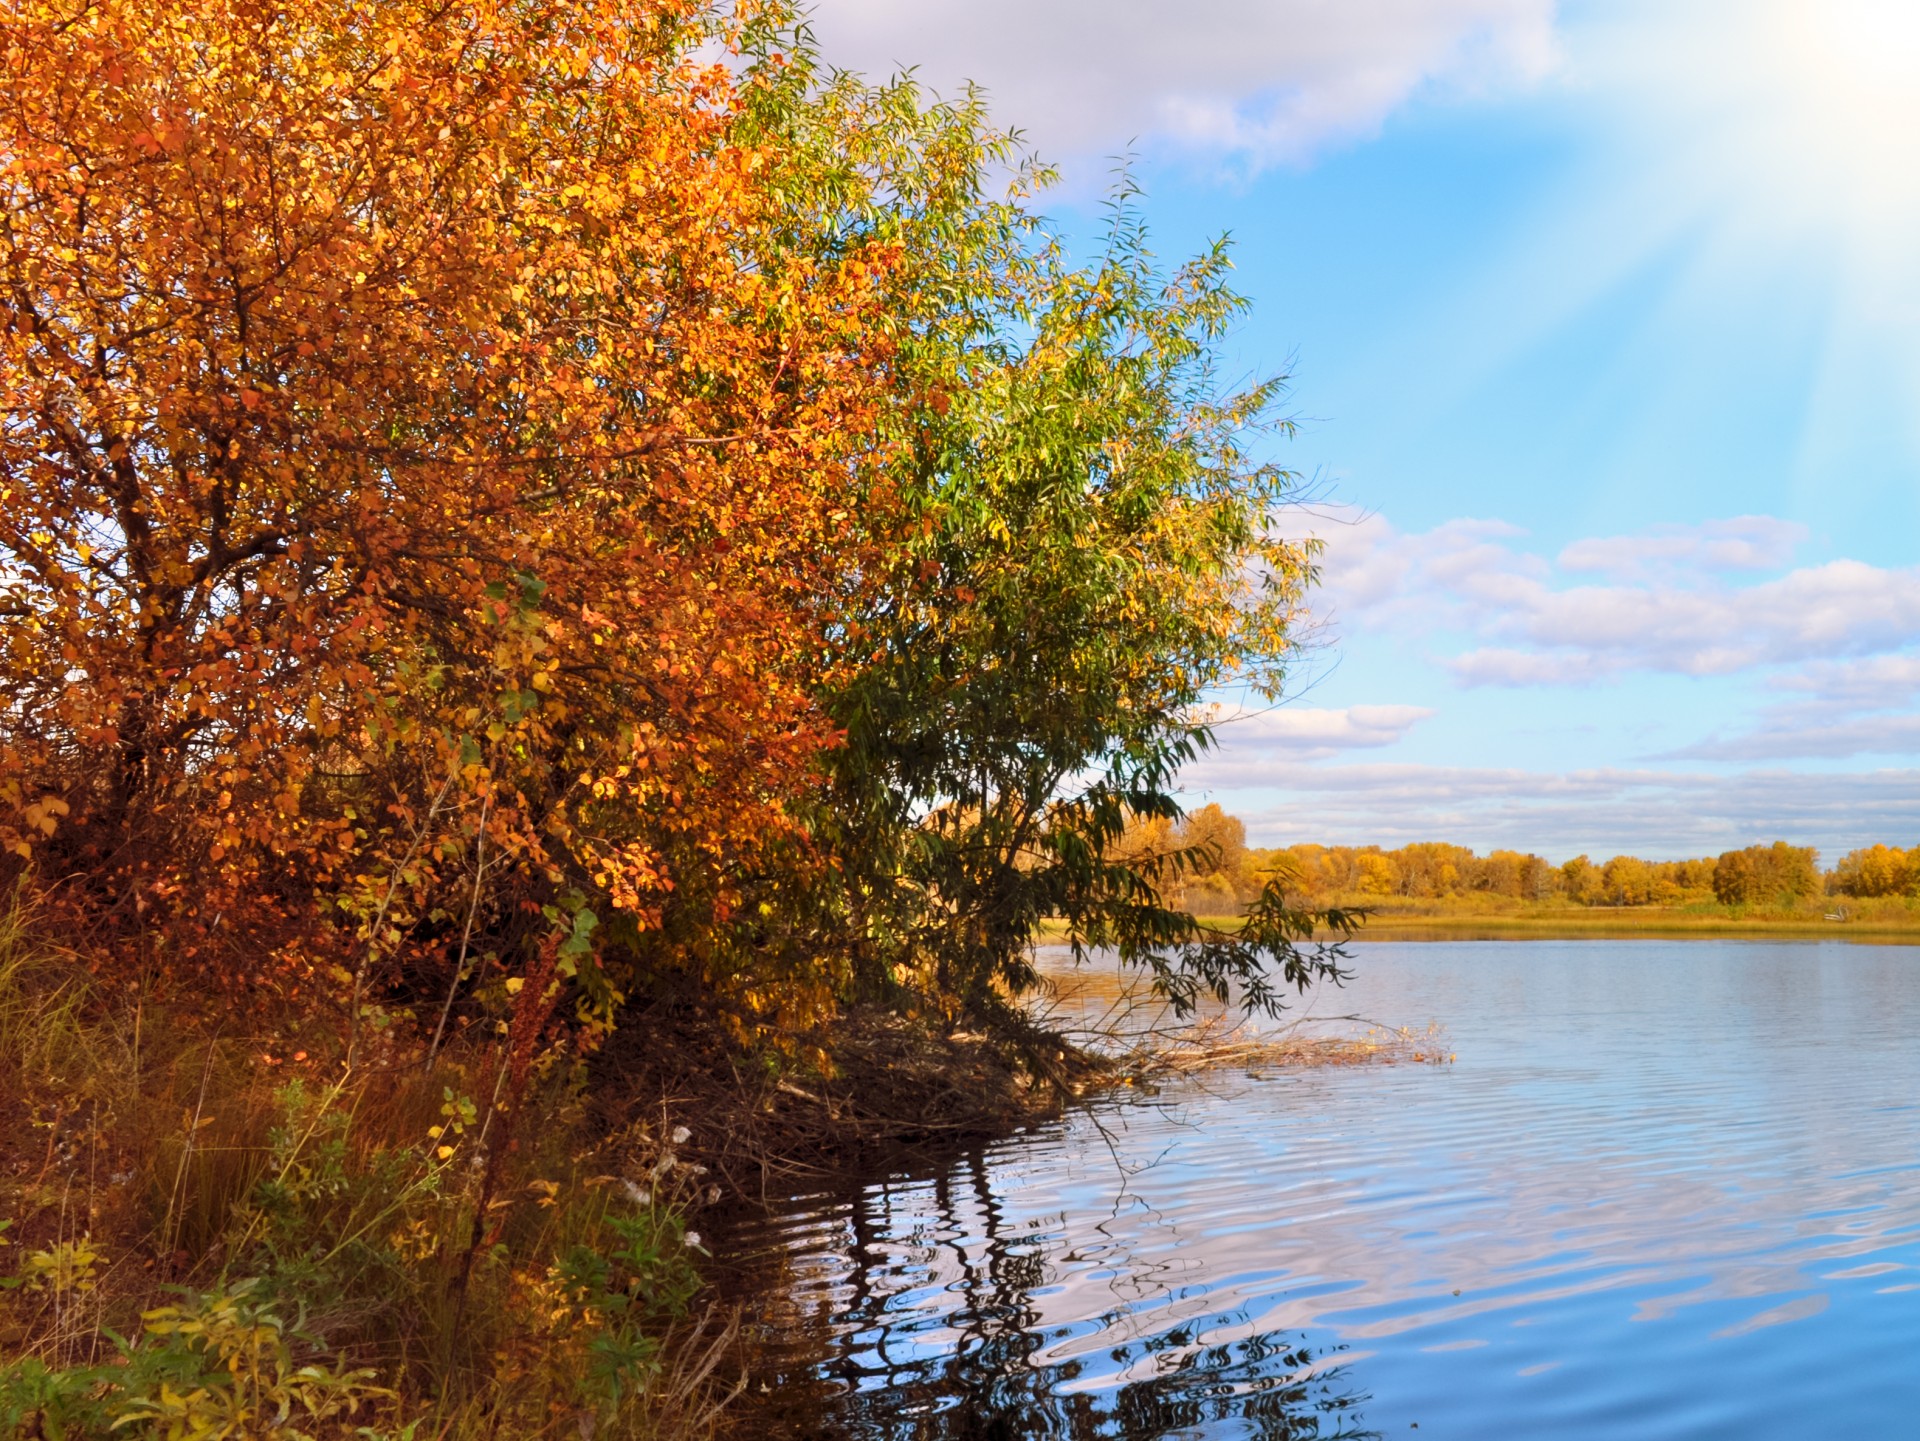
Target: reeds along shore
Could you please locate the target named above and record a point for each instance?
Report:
(1468, 918)
(1569, 923)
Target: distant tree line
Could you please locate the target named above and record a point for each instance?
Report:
(1221, 871)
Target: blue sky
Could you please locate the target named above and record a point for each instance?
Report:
(1604, 320)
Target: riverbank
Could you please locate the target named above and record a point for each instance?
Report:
(1391, 920)
(1651, 923)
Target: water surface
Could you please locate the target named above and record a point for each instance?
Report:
(1667, 1189)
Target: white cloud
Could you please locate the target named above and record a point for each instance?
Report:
(1835, 643)
(1374, 575)
(1706, 627)
(1262, 80)
(1251, 744)
(1746, 542)
(1494, 666)
(1673, 607)
(1787, 734)
(1850, 708)
(1873, 682)
(1601, 812)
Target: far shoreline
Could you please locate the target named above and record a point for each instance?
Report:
(1523, 928)
(1624, 923)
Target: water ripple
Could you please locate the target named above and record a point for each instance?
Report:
(1669, 1189)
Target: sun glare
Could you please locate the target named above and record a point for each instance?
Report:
(1867, 49)
(1842, 78)
(1790, 129)
(1762, 158)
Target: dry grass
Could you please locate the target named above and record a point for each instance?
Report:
(1644, 922)
(148, 1159)
(166, 1158)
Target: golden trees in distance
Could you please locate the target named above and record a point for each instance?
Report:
(1204, 855)
(1630, 881)
(1878, 871)
(1223, 868)
(1765, 873)
(1427, 870)
(1422, 870)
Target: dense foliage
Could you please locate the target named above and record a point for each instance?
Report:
(419, 453)
(1876, 871)
(518, 519)
(484, 482)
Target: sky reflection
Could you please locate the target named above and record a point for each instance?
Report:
(1668, 1189)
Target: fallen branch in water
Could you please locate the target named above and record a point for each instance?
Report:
(1221, 1044)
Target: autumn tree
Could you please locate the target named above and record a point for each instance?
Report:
(421, 455)
(1877, 870)
(1501, 873)
(513, 488)
(1221, 863)
(1434, 868)
(1580, 880)
(1143, 842)
(1627, 881)
(1688, 878)
(1376, 874)
(1778, 873)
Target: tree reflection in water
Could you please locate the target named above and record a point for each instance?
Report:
(934, 1327)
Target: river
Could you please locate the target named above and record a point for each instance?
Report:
(1665, 1189)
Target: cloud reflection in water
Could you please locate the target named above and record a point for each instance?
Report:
(1669, 1189)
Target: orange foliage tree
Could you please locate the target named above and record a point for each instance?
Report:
(1877, 870)
(419, 452)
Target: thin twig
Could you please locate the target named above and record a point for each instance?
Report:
(379, 919)
(466, 935)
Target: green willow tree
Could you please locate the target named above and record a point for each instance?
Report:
(1072, 547)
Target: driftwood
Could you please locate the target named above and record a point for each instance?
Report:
(1223, 1046)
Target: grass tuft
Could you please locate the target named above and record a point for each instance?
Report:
(212, 1234)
